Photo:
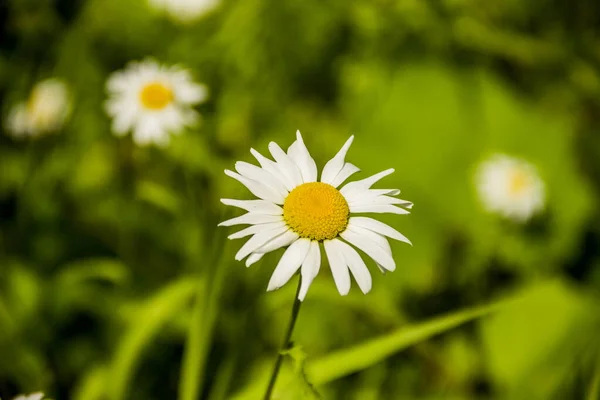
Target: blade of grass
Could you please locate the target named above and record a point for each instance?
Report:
(353, 359)
(199, 339)
(594, 389)
(344, 362)
(149, 319)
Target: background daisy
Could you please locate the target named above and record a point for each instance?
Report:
(44, 112)
(185, 10)
(152, 101)
(32, 396)
(298, 211)
(510, 187)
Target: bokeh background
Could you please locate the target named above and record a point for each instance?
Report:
(115, 282)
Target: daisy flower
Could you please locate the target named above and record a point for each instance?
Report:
(33, 396)
(510, 187)
(184, 10)
(296, 210)
(44, 112)
(153, 101)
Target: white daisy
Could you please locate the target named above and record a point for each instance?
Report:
(184, 10)
(153, 101)
(33, 396)
(296, 210)
(510, 187)
(44, 112)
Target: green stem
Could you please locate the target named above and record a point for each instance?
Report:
(285, 345)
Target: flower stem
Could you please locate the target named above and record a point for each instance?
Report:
(286, 343)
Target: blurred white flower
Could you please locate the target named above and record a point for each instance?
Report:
(184, 10)
(510, 187)
(33, 396)
(153, 101)
(297, 211)
(44, 112)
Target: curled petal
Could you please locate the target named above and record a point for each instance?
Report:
(335, 165)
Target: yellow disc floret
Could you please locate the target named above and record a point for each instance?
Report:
(519, 180)
(316, 211)
(156, 96)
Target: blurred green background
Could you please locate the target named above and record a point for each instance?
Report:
(116, 284)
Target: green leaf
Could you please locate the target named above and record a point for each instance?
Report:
(93, 385)
(362, 356)
(304, 386)
(151, 316)
(547, 331)
(158, 195)
(594, 389)
(101, 269)
(348, 361)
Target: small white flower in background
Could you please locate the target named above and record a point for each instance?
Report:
(184, 10)
(33, 396)
(297, 211)
(510, 187)
(153, 101)
(44, 112)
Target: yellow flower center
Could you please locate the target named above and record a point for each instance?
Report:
(316, 211)
(518, 181)
(156, 96)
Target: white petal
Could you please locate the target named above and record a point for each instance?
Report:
(251, 219)
(310, 268)
(18, 120)
(287, 165)
(253, 258)
(384, 192)
(301, 156)
(273, 168)
(258, 240)
(361, 195)
(251, 230)
(373, 250)
(378, 227)
(376, 238)
(187, 92)
(340, 272)
(364, 184)
(378, 209)
(257, 188)
(293, 151)
(149, 129)
(347, 170)
(256, 206)
(335, 165)
(379, 200)
(260, 175)
(356, 265)
(279, 242)
(289, 263)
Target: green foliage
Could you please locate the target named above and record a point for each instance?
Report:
(115, 282)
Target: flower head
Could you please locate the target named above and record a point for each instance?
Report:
(44, 112)
(32, 396)
(296, 210)
(510, 187)
(153, 101)
(184, 10)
